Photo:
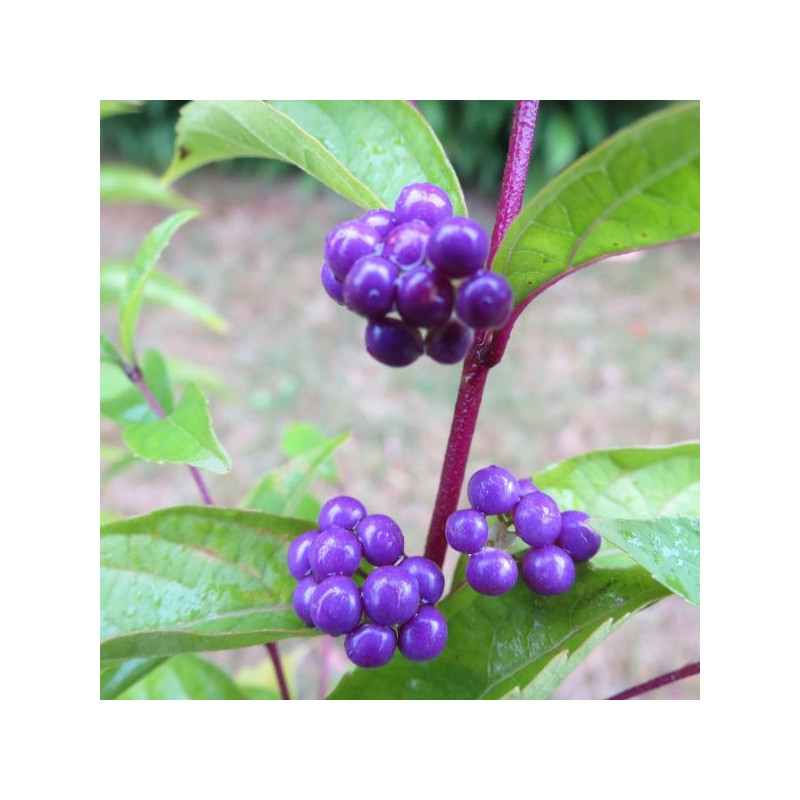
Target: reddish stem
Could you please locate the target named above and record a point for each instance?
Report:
(661, 680)
(272, 649)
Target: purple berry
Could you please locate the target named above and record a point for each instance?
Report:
(382, 219)
(492, 572)
(423, 201)
(301, 598)
(425, 297)
(348, 242)
(526, 486)
(467, 530)
(332, 285)
(406, 244)
(335, 551)
(342, 511)
(381, 539)
(336, 605)
(576, 537)
(393, 342)
(449, 343)
(458, 247)
(297, 555)
(390, 596)
(425, 636)
(548, 570)
(537, 519)
(485, 301)
(370, 645)
(369, 288)
(428, 576)
(493, 490)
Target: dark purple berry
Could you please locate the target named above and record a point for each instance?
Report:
(348, 242)
(428, 576)
(492, 572)
(369, 288)
(526, 486)
(406, 244)
(423, 201)
(332, 285)
(449, 343)
(336, 605)
(537, 519)
(297, 555)
(393, 342)
(335, 551)
(425, 297)
(458, 247)
(467, 530)
(425, 636)
(548, 570)
(493, 490)
(382, 219)
(341, 511)
(576, 537)
(485, 301)
(391, 596)
(301, 598)
(370, 645)
(381, 539)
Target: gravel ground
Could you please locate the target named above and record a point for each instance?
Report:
(607, 358)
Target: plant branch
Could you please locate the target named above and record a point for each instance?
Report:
(661, 680)
(272, 649)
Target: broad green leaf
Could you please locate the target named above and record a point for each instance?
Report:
(122, 402)
(110, 108)
(366, 150)
(183, 437)
(185, 372)
(160, 290)
(638, 189)
(156, 375)
(192, 579)
(667, 547)
(108, 353)
(126, 183)
(258, 693)
(186, 677)
(115, 680)
(144, 263)
(300, 437)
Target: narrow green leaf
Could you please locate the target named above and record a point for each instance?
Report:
(300, 437)
(192, 579)
(108, 353)
(146, 259)
(183, 437)
(126, 183)
(638, 189)
(366, 150)
(156, 375)
(110, 108)
(115, 680)
(186, 677)
(120, 400)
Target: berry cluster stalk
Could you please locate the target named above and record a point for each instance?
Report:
(481, 357)
(656, 683)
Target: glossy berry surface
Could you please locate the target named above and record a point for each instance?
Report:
(297, 555)
(449, 343)
(405, 246)
(493, 490)
(334, 288)
(348, 242)
(423, 201)
(493, 572)
(370, 645)
(425, 636)
(467, 530)
(390, 596)
(425, 297)
(301, 598)
(428, 576)
(393, 342)
(382, 219)
(458, 247)
(381, 539)
(485, 301)
(577, 538)
(537, 519)
(334, 551)
(369, 288)
(342, 511)
(548, 570)
(336, 605)
(526, 486)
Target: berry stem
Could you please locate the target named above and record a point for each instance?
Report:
(661, 680)
(272, 649)
(481, 358)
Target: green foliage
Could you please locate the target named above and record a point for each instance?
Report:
(186, 677)
(115, 680)
(111, 108)
(126, 183)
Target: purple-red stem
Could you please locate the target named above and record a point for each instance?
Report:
(272, 649)
(656, 683)
(482, 356)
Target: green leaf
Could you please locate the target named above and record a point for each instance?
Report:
(125, 183)
(183, 437)
(160, 290)
(192, 579)
(108, 353)
(366, 150)
(110, 108)
(156, 375)
(120, 400)
(638, 189)
(667, 547)
(258, 693)
(115, 680)
(185, 677)
(300, 437)
(143, 265)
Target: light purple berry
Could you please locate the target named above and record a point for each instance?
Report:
(425, 297)
(493, 490)
(390, 595)
(449, 343)
(428, 576)
(369, 288)
(406, 244)
(382, 219)
(393, 342)
(302, 597)
(348, 242)
(526, 486)
(548, 570)
(537, 519)
(381, 539)
(467, 530)
(297, 555)
(334, 551)
(336, 605)
(577, 538)
(342, 511)
(485, 301)
(492, 572)
(332, 285)
(370, 645)
(425, 636)
(458, 247)
(423, 201)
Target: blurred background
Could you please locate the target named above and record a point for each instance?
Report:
(607, 358)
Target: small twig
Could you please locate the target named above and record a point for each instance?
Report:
(661, 680)
(272, 649)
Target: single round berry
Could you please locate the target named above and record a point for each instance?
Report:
(493, 490)
(423, 201)
(336, 605)
(341, 511)
(526, 486)
(467, 530)
(406, 244)
(449, 343)
(492, 572)
(458, 247)
(391, 596)
(334, 551)
(382, 219)
(369, 288)
(425, 636)
(302, 597)
(393, 342)
(548, 570)
(485, 301)
(332, 285)
(537, 519)
(370, 645)
(425, 297)
(381, 539)
(428, 576)
(576, 537)
(297, 555)
(348, 242)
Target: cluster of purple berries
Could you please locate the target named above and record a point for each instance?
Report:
(557, 539)
(406, 261)
(394, 608)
